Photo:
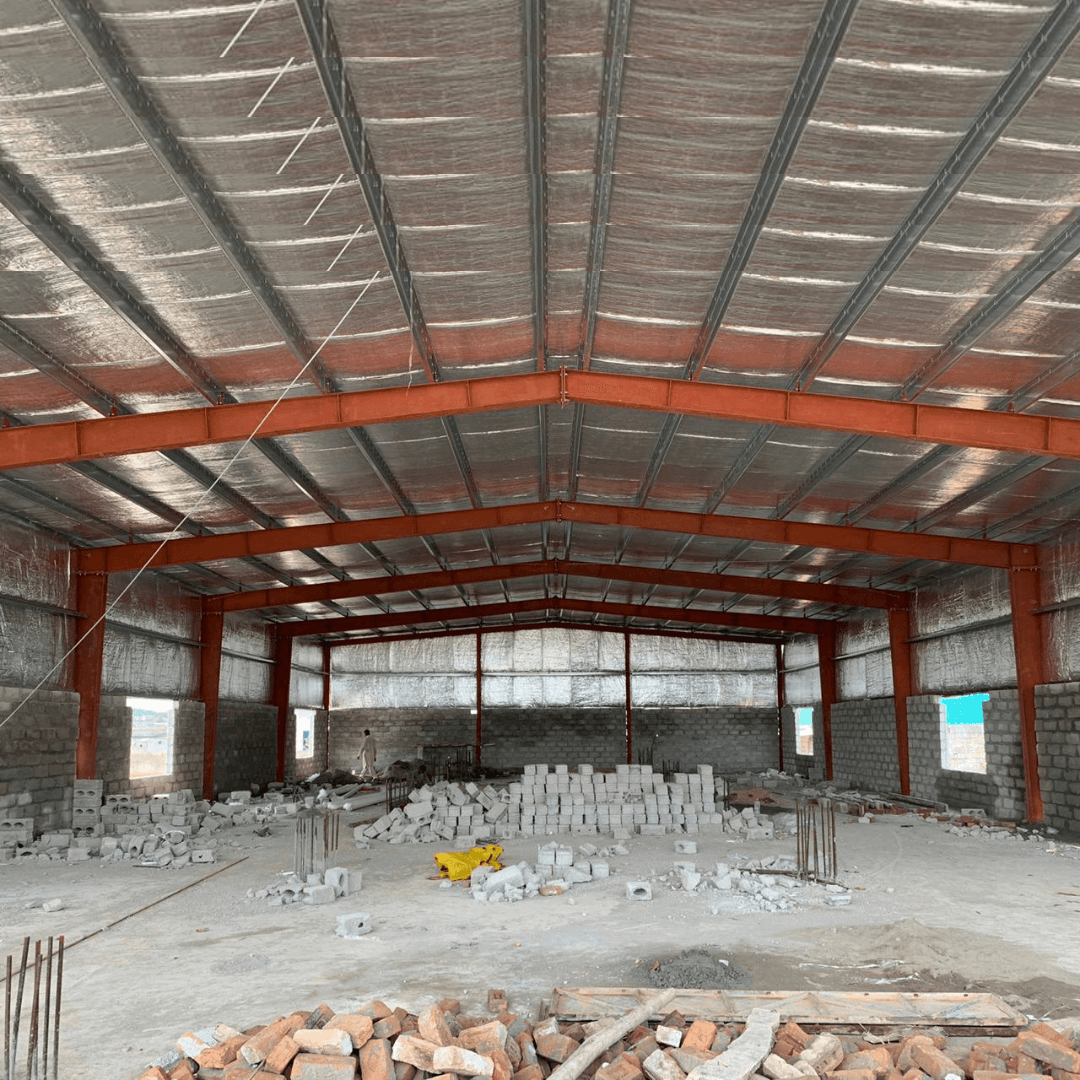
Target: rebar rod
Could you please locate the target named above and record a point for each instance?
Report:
(18, 1009)
(32, 1044)
(56, 1015)
(7, 1023)
(48, 1002)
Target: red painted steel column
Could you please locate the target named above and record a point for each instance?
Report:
(629, 703)
(91, 598)
(1025, 592)
(780, 701)
(827, 675)
(210, 636)
(326, 700)
(479, 699)
(283, 647)
(903, 679)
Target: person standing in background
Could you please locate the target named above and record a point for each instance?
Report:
(367, 756)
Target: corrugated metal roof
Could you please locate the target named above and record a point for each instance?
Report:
(236, 201)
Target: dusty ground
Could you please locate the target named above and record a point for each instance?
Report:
(929, 911)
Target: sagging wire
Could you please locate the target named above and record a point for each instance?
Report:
(187, 516)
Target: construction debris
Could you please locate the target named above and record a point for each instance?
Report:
(317, 887)
(648, 1042)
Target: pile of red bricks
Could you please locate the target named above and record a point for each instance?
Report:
(1037, 1051)
(379, 1043)
(374, 1043)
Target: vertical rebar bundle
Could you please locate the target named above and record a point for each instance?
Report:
(316, 837)
(815, 844)
(37, 1052)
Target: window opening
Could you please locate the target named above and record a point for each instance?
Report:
(153, 735)
(963, 737)
(305, 732)
(804, 731)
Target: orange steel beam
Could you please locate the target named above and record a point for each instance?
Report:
(789, 624)
(283, 654)
(288, 595)
(210, 638)
(91, 596)
(479, 747)
(827, 676)
(903, 687)
(84, 440)
(937, 548)
(546, 624)
(1025, 593)
(780, 703)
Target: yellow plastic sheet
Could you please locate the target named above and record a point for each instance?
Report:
(458, 865)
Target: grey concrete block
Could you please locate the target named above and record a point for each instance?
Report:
(638, 890)
(354, 925)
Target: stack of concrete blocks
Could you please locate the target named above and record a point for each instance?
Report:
(633, 799)
(86, 808)
(550, 801)
(15, 833)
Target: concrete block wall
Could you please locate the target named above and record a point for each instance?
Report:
(114, 751)
(397, 732)
(37, 755)
(1000, 791)
(246, 745)
(1057, 712)
(556, 736)
(864, 744)
(733, 739)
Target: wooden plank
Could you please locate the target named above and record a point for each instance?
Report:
(811, 1009)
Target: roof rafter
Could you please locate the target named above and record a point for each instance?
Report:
(78, 440)
(817, 63)
(763, 530)
(611, 87)
(104, 55)
(1027, 74)
(782, 624)
(776, 587)
(322, 39)
(552, 624)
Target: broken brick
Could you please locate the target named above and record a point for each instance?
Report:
(323, 1067)
(458, 1060)
(433, 1027)
(503, 1068)
(360, 1027)
(375, 1060)
(222, 1053)
(879, 1061)
(556, 1047)
(1049, 1051)
(699, 1035)
(790, 1040)
(324, 1041)
(484, 1037)
(415, 1051)
(278, 1059)
(387, 1027)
